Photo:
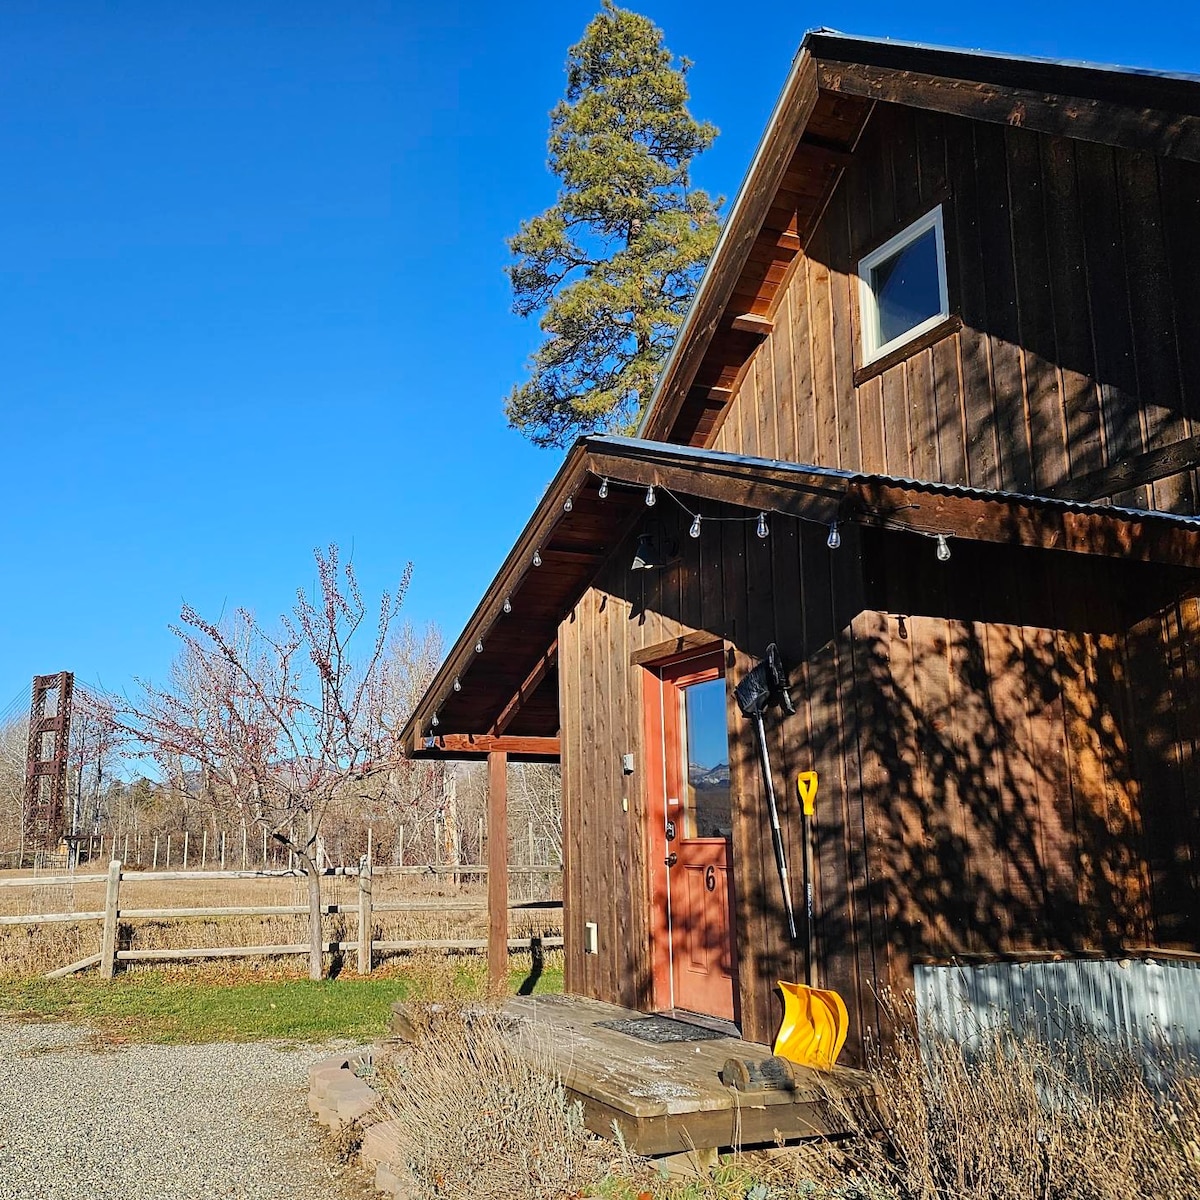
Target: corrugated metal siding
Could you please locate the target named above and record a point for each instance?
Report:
(1151, 1008)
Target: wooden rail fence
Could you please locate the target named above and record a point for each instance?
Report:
(109, 954)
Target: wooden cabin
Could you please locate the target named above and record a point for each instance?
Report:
(932, 426)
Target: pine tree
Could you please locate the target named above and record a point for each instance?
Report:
(613, 264)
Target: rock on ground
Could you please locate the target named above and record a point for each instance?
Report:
(79, 1118)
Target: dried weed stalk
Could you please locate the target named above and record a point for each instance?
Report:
(1014, 1119)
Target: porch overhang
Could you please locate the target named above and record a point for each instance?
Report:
(505, 660)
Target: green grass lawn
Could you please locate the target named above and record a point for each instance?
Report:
(152, 1006)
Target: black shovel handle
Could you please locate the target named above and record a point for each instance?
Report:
(776, 834)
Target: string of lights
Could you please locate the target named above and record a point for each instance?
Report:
(652, 492)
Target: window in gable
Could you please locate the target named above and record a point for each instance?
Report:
(902, 287)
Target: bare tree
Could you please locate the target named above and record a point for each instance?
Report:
(273, 724)
(94, 747)
(14, 740)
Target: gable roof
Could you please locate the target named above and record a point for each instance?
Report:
(834, 81)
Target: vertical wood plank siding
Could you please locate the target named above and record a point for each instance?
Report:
(1074, 267)
(1007, 750)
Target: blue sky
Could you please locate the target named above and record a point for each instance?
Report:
(252, 295)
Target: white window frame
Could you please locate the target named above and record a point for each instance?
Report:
(868, 305)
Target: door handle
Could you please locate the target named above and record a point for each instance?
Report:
(671, 859)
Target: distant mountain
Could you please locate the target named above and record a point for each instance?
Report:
(708, 777)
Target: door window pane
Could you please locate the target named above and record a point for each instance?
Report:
(709, 813)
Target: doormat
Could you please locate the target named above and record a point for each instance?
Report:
(661, 1029)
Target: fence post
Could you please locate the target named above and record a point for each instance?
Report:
(244, 846)
(154, 865)
(400, 848)
(186, 835)
(365, 917)
(167, 864)
(108, 940)
(204, 850)
(264, 847)
(222, 849)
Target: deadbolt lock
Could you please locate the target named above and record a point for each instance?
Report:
(670, 831)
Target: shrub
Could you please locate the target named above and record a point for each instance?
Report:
(478, 1117)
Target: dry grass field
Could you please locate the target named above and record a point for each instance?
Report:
(35, 950)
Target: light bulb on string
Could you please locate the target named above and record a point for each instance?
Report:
(834, 540)
(479, 646)
(537, 558)
(651, 498)
(762, 530)
(943, 548)
(603, 492)
(457, 684)
(433, 721)
(508, 604)
(568, 504)
(695, 529)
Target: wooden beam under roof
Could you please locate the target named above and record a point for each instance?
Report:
(1131, 472)
(529, 685)
(1089, 119)
(753, 323)
(472, 745)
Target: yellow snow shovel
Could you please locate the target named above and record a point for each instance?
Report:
(815, 1020)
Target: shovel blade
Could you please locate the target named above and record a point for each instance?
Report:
(815, 1023)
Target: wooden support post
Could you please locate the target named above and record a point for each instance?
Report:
(186, 835)
(222, 849)
(497, 813)
(168, 860)
(245, 846)
(154, 865)
(400, 848)
(366, 919)
(108, 939)
(204, 850)
(125, 852)
(264, 847)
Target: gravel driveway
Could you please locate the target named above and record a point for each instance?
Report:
(82, 1121)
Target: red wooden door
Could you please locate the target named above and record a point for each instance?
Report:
(694, 892)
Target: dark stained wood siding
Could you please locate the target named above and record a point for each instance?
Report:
(1074, 267)
(1006, 747)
